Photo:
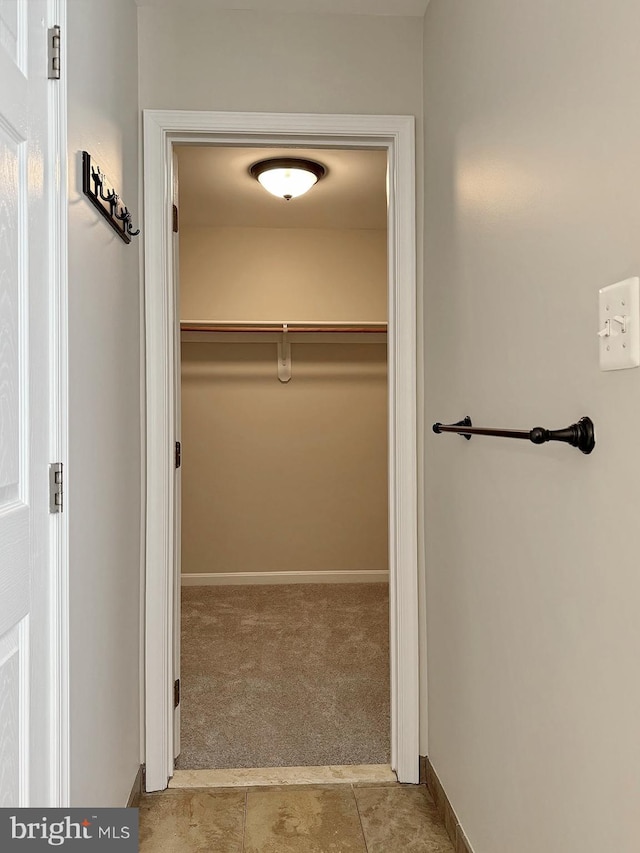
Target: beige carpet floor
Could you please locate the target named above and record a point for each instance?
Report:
(294, 675)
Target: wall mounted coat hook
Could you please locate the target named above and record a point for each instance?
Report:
(106, 200)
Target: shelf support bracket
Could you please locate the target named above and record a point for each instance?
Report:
(284, 355)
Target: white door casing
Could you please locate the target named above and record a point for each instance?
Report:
(396, 134)
(178, 469)
(33, 711)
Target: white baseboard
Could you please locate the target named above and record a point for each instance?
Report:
(244, 578)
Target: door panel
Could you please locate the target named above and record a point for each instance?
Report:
(13, 32)
(13, 292)
(14, 694)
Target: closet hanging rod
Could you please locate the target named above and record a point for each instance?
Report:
(295, 327)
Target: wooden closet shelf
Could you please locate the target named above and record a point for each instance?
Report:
(283, 334)
(239, 327)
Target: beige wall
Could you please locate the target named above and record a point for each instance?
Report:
(283, 477)
(532, 151)
(293, 63)
(103, 484)
(283, 274)
(256, 61)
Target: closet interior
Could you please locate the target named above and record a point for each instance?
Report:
(284, 482)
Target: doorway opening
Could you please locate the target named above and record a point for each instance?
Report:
(283, 426)
(394, 138)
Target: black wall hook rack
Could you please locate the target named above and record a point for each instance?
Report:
(106, 200)
(581, 434)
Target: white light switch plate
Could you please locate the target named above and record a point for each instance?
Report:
(619, 315)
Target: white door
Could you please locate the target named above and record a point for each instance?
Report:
(25, 646)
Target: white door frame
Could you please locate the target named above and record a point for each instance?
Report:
(395, 134)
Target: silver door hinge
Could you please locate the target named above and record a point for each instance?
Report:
(56, 496)
(54, 53)
(178, 454)
(176, 693)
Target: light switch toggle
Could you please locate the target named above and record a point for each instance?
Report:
(622, 321)
(619, 325)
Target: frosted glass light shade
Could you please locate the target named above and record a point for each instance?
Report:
(287, 183)
(287, 178)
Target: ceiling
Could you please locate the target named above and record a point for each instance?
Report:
(411, 8)
(216, 189)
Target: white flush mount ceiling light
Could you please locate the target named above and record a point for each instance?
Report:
(287, 177)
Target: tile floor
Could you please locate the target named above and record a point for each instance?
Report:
(361, 818)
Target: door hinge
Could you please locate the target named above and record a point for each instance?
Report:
(54, 53)
(176, 693)
(55, 487)
(178, 454)
(175, 219)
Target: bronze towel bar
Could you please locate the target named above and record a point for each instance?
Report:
(581, 434)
